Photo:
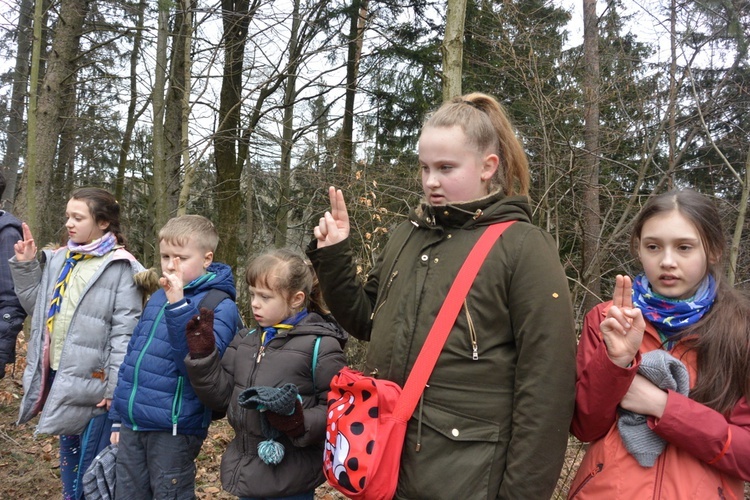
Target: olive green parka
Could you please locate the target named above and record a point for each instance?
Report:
(493, 420)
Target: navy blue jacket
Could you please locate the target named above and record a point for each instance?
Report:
(153, 391)
(11, 312)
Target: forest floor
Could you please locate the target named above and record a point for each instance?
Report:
(29, 466)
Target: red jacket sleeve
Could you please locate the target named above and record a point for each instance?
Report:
(600, 384)
(723, 443)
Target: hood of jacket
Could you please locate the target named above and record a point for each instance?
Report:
(221, 278)
(9, 220)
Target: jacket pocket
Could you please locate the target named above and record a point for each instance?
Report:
(450, 441)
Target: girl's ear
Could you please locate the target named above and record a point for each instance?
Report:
(103, 225)
(489, 166)
(297, 299)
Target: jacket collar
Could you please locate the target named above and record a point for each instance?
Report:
(495, 207)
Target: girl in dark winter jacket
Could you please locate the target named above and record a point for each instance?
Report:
(272, 381)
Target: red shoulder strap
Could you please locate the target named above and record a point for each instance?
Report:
(444, 321)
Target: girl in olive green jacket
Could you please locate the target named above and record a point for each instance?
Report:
(493, 419)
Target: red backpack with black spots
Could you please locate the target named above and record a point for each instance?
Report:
(367, 417)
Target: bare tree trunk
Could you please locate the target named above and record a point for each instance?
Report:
(453, 48)
(188, 6)
(734, 250)
(174, 111)
(356, 37)
(672, 128)
(285, 168)
(132, 115)
(17, 102)
(236, 17)
(590, 220)
(61, 67)
(159, 190)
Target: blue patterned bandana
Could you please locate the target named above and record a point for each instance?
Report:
(671, 316)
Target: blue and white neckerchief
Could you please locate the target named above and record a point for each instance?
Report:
(671, 316)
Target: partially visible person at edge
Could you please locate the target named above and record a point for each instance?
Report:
(160, 423)
(494, 417)
(296, 347)
(12, 314)
(84, 303)
(681, 305)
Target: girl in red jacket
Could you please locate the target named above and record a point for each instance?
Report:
(695, 446)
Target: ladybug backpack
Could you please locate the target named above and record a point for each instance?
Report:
(367, 417)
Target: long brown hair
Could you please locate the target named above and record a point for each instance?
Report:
(721, 339)
(488, 128)
(103, 207)
(285, 271)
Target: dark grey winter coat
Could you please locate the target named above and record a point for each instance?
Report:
(494, 425)
(288, 358)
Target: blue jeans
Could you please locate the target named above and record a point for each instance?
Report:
(302, 496)
(77, 453)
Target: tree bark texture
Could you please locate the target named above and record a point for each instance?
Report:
(590, 220)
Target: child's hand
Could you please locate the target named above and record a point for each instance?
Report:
(645, 397)
(334, 225)
(200, 334)
(171, 281)
(105, 403)
(623, 328)
(114, 438)
(26, 248)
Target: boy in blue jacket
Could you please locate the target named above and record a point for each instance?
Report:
(163, 424)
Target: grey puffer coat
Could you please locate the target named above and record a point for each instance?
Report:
(490, 425)
(287, 358)
(95, 345)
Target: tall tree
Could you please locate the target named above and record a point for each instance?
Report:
(59, 75)
(453, 48)
(236, 15)
(590, 223)
(357, 23)
(16, 124)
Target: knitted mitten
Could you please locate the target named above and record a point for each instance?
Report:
(200, 334)
(292, 425)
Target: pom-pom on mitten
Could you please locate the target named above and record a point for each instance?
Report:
(200, 334)
(292, 425)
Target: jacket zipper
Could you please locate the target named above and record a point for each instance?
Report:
(472, 333)
(177, 403)
(588, 478)
(136, 371)
(659, 476)
(385, 295)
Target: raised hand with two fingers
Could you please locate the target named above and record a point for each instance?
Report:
(25, 249)
(623, 328)
(334, 226)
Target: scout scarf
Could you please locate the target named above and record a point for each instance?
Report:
(76, 253)
(670, 316)
(270, 332)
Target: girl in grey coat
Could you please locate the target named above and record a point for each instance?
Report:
(84, 304)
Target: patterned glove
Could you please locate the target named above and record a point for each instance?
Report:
(292, 425)
(200, 334)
